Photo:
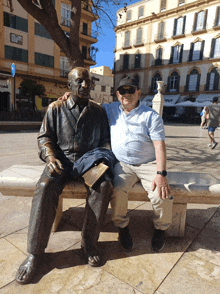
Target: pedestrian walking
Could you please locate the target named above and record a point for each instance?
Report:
(213, 122)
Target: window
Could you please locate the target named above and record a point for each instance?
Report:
(126, 62)
(15, 22)
(200, 20)
(215, 48)
(129, 15)
(181, 2)
(15, 53)
(196, 51)
(217, 17)
(161, 27)
(176, 54)
(65, 14)
(141, 12)
(137, 79)
(41, 31)
(84, 52)
(173, 82)
(85, 28)
(127, 39)
(159, 53)
(103, 88)
(64, 66)
(179, 26)
(163, 5)
(44, 60)
(137, 60)
(139, 37)
(156, 78)
(212, 83)
(193, 81)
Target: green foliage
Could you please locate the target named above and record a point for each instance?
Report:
(31, 88)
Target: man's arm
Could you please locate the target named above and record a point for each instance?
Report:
(159, 181)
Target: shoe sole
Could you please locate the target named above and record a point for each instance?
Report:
(214, 146)
(158, 249)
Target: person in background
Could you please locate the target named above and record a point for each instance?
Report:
(213, 111)
(203, 118)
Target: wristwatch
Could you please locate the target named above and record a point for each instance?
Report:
(162, 173)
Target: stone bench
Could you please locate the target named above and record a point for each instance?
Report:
(201, 188)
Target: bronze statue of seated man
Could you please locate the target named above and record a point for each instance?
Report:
(71, 132)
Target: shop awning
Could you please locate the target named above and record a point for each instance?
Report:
(169, 100)
(203, 98)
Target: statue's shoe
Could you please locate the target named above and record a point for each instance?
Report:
(27, 269)
(92, 256)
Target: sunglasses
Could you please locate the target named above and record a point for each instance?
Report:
(130, 90)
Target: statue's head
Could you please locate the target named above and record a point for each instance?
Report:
(79, 82)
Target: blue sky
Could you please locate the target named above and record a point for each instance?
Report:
(106, 38)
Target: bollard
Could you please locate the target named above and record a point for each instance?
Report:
(158, 100)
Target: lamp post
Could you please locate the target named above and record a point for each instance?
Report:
(158, 100)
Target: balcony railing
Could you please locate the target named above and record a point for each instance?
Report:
(93, 34)
(160, 37)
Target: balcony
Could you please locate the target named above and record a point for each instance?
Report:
(139, 42)
(198, 30)
(126, 45)
(158, 38)
(90, 37)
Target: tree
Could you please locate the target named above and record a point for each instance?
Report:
(30, 88)
(44, 12)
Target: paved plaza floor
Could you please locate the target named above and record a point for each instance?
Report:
(189, 265)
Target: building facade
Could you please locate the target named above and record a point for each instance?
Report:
(175, 41)
(103, 79)
(28, 45)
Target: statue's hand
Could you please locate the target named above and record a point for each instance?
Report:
(54, 165)
(65, 96)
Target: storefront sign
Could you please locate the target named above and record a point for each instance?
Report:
(16, 39)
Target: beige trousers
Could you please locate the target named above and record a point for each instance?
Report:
(125, 177)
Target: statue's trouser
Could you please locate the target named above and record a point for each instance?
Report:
(44, 205)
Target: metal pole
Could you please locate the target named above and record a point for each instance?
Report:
(14, 95)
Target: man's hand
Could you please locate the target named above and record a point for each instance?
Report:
(54, 165)
(162, 185)
(65, 96)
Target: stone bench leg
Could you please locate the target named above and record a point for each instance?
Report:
(177, 229)
(58, 214)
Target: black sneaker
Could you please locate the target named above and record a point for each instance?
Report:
(125, 239)
(214, 145)
(158, 240)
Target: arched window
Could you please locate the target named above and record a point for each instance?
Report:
(139, 36)
(157, 77)
(193, 81)
(137, 60)
(179, 26)
(173, 82)
(126, 62)
(212, 83)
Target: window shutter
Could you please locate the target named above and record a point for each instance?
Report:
(216, 16)
(216, 81)
(168, 84)
(163, 5)
(212, 48)
(198, 83)
(187, 84)
(184, 24)
(195, 21)
(6, 19)
(174, 27)
(178, 84)
(205, 19)
(191, 51)
(207, 81)
(171, 55)
(161, 30)
(202, 49)
(181, 54)
(139, 36)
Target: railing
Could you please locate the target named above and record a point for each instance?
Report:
(93, 33)
(158, 37)
(21, 115)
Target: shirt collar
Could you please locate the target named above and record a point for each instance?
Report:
(136, 108)
(72, 104)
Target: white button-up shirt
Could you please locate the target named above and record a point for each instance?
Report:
(132, 134)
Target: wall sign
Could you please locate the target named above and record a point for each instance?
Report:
(14, 38)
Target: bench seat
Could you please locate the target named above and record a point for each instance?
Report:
(201, 188)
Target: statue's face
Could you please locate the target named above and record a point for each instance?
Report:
(79, 82)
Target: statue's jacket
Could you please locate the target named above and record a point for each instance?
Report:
(67, 132)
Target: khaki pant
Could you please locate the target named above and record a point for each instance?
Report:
(125, 177)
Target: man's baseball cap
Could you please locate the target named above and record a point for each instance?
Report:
(215, 99)
(128, 81)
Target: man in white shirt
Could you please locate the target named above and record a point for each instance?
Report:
(138, 142)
